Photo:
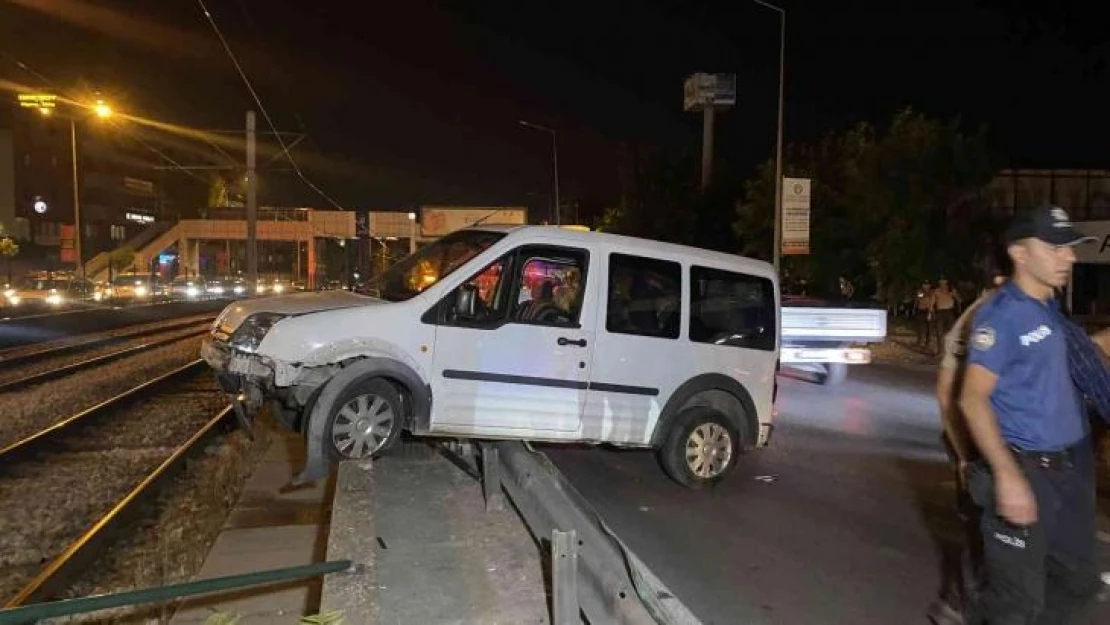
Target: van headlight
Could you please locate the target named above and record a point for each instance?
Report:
(248, 336)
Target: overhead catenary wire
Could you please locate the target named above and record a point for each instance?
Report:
(262, 108)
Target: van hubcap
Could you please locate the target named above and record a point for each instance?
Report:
(361, 426)
(708, 450)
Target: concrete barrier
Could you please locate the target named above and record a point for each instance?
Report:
(351, 592)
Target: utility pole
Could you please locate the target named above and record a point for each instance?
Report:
(76, 200)
(554, 162)
(777, 255)
(706, 147)
(706, 93)
(252, 207)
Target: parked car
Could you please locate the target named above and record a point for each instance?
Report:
(533, 333)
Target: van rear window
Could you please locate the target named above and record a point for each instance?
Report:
(734, 309)
(645, 296)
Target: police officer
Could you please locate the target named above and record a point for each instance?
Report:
(924, 313)
(960, 584)
(945, 303)
(1035, 483)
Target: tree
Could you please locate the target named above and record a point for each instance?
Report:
(9, 249)
(121, 259)
(666, 204)
(888, 209)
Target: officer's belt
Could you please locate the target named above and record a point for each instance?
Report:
(1062, 459)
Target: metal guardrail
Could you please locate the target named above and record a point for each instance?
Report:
(612, 585)
(38, 611)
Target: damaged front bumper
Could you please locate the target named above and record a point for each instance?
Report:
(250, 379)
(247, 377)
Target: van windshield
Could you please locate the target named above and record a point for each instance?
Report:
(430, 264)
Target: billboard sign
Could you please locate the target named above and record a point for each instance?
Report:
(795, 216)
(436, 221)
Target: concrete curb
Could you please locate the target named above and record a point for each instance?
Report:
(351, 536)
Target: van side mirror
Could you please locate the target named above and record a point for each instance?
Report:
(466, 297)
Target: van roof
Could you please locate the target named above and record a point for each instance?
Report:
(650, 246)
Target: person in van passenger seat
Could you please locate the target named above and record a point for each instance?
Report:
(543, 294)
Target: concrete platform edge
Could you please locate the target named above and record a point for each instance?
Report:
(351, 537)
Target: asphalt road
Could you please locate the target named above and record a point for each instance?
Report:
(843, 519)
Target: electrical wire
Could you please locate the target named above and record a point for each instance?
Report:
(262, 108)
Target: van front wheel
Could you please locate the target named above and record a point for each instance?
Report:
(701, 448)
(365, 420)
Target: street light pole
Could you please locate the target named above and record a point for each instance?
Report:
(554, 161)
(76, 200)
(778, 139)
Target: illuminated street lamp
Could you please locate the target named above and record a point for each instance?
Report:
(103, 111)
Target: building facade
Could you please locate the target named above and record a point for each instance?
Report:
(117, 193)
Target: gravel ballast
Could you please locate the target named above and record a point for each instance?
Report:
(34, 409)
(173, 533)
(84, 472)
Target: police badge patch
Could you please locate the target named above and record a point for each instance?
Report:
(982, 339)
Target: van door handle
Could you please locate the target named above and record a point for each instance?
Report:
(564, 341)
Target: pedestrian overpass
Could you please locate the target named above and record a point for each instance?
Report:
(300, 226)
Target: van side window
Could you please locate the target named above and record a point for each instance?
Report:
(550, 286)
(733, 309)
(645, 297)
(491, 304)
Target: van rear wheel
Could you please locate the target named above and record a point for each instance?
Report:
(701, 448)
(365, 421)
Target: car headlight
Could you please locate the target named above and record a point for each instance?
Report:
(192, 291)
(239, 290)
(248, 336)
(218, 290)
(98, 296)
(54, 299)
(15, 299)
(260, 289)
(9, 293)
(140, 291)
(278, 288)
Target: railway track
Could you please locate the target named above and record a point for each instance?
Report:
(77, 482)
(53, 364)
(14, 357)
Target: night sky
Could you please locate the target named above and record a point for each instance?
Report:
(409, 103)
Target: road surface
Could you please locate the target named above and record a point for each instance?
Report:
(843, 519)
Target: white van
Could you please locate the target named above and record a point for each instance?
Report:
(529, 332)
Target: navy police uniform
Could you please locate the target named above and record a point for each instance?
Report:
(1045, 572)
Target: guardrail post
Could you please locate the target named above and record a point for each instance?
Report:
(564, 578)
(491, 479)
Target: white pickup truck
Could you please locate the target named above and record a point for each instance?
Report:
(820, 337)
